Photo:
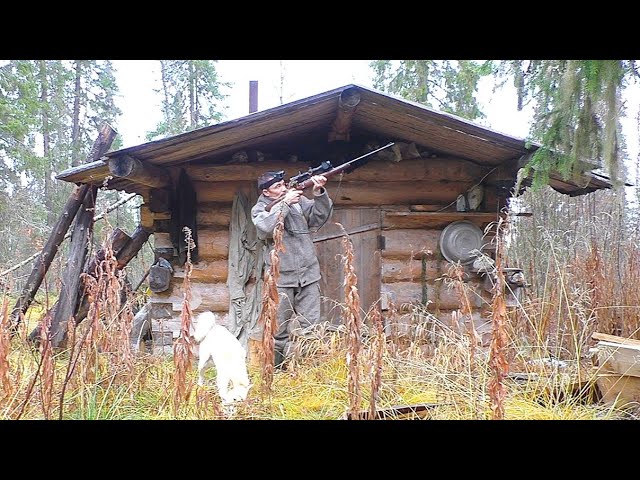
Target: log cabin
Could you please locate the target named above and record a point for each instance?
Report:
(410, 211)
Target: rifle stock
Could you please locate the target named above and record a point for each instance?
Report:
(333, 171)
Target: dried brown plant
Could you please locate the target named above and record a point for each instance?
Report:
(117, 314)
(353, 320)
(87, 350)
(70, 380)
(269, 306)
(595, 279)
(456, 277)
(376, 365)
(32, 383)
(125, 356)
(183, 347)
(5, 348)
(497, 358)
(48, 371)
(101, 346)
(631, 296)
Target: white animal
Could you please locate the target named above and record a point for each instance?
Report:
(218, 346)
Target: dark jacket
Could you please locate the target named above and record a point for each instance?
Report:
(299, 264)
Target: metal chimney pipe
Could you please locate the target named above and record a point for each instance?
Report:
(253, 96)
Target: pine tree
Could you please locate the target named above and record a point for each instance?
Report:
(191, 97)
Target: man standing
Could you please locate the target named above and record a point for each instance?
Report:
(299, 280)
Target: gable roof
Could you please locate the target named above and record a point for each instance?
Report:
(306, 122)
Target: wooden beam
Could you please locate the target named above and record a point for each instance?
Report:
(123, 256)
(623, 359)
(394, 220)
(614, 338)
(159, 200)
(133, 246)
(351, 231)
(69, 293)
(347, 104)
(397, 412)
(125, 248)
(138, 172)
(106, 135)
(411, 170)
(118, 239)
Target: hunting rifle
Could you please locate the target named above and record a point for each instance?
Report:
(303, 180)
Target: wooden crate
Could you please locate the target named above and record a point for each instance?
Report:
(617, 389)
(617, 362)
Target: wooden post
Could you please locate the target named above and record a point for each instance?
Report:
(125, 248)
(347, 104)
(43, 262)
(68, 298)
(133, 169)
(133, 246)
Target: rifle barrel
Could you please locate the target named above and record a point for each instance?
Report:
(334, 170)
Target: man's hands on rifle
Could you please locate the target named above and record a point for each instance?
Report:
(318, 183)
(292, 196)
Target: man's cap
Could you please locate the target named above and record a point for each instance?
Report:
(269, 178)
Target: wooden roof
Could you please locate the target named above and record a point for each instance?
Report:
(303, 125)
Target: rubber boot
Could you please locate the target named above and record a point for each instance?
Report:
(278, 360)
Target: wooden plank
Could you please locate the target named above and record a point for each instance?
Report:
(618, 389)
(146, 217)
(430, 208)
(351, 231)
(366, 261)
(614, 338)
(408, 243)
(442, 297)
(397, 412)
(213, 244)
(222, 192)
(394, 270)
(205, 271)
(415, 170)
(136, 171)
(397, 193)
(394, 220)
(619, 358)
(214, 214)
(204, 296)
(350, 192)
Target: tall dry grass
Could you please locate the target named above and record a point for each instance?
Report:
(184, 345)
(353, 321)
(269, 306)
(95, 376)
(497, 354)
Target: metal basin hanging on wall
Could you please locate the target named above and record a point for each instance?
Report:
(459, 240)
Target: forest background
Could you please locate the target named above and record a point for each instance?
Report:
(51, 110)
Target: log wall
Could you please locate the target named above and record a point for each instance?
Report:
(416, 199)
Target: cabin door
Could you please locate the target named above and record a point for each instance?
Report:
(363, 227)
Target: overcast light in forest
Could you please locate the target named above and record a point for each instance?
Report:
(139, 81)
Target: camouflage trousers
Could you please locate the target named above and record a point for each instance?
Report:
(298, 309)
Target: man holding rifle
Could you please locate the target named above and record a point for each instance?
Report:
(299, 280)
